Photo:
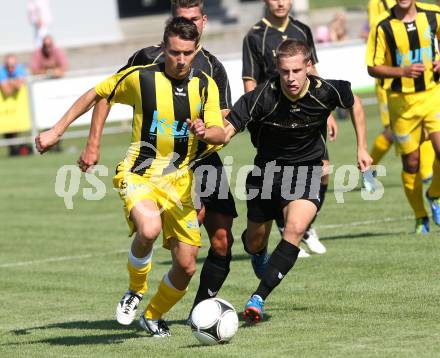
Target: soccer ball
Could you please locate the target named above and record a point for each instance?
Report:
(214, 321)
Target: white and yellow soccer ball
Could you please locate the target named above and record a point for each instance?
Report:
(214, 321)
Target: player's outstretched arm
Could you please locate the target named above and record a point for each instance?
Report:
(332, 128)
(357, 114)
(383, 71)
(47, 139)
(211, 135)
(91, 154)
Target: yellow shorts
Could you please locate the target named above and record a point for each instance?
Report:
(382, 101)
(172, 195)
(410, 114)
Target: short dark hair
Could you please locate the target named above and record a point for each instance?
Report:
(181, 27)
(290, 47)
(185, 4)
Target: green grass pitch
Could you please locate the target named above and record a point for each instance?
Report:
(376, 293)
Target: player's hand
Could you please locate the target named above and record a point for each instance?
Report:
(46, 140)
(197, 128)
(364, 160)
(414, 71)
(88, 158)
(332, 128)
(436, 66)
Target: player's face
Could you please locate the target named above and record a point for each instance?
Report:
(293, 72)
(279, 8)
(195, 15)
(179, 55)
(11, 63)
(405, 4)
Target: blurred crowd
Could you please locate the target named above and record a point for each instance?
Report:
(47, 60)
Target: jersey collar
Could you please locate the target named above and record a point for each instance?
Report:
(299, 95)
(280, 29)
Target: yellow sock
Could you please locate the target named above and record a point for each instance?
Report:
(138, 277)
(380, 147)
(434, 189)
(164, 299)
(427, 157)
(412, 183)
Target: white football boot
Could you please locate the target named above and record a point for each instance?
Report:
(126, 308)
(313, 242)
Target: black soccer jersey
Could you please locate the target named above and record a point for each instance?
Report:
(204, 61)
(261, 42)
(289, 131)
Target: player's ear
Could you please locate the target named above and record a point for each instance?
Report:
(309, 66)
(205, 20)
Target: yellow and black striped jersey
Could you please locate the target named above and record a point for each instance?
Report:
(393, 42)
(376, 8)
(161, 141)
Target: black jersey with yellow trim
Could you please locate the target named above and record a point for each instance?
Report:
(204, 61)
(161, 141)
(261, 42)
(290, 130)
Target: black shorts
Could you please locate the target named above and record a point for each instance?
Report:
(212, 186)
(267, 198)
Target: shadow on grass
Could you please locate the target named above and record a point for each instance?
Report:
(358, 189)
(107, 325)
(361, 235)
(84, 340)
(132, 331)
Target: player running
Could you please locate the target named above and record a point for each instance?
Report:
(287, 119)
(170, 100)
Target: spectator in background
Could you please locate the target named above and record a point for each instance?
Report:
(338, 28)
(322, 34)
(40, 18)
(12, 78)
(49, 60)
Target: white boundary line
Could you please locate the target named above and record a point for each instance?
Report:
(89, 256)
(61, 258)
(366, 222)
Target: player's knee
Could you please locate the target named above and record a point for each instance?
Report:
(255, 243)
(148, 233)
(411, 163)
(295, 228)
(388, 134)
(188, 267)
(221, 242)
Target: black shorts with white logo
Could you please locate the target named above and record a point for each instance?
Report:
(267, 197)
(212, 186)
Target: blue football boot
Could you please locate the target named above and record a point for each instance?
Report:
(253, 311)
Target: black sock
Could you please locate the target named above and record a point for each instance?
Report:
(322, 191)
(280, 225)
(214, 272)
(243, 240)
(281, 261)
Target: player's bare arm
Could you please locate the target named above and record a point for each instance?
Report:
(249, 85)
(357, 114)
(211, 135)
(383, 71)
(47, 139)
(230, 131)
(91, 153)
